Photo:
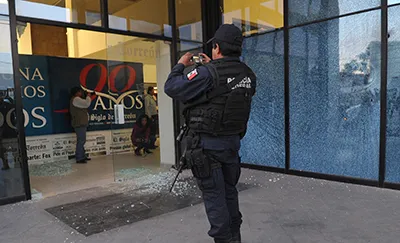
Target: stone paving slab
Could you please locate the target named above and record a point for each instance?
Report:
(280, 209)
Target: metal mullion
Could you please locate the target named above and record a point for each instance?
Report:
(191, 41)
(393, 5)
(264, 33)
(391, 185)
(384, 75)
(212, 19)
(329, 177)
(286, 85)
(9, 200)
(92, 28)
(18, 100)
(174, 59)
(104, 13)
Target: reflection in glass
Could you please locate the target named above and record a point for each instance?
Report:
(4, 7)
(69, 11)
(150, 61)
(393, 98)
(254, 16)
(265, 133)
(149, 16)
(185, 46)
(11, 181)
(301, 11)
(188, 19)
(334, 95)
(393, 1)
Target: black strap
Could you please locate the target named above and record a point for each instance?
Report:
(214, 73)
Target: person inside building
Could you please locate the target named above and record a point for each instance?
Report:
(152, 112)
(217, 97)
(79, 104)
(141, 137)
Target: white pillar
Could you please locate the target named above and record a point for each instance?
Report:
(165, 106)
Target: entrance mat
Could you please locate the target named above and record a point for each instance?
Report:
(105, 213)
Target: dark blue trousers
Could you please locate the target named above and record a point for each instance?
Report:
(221, 196)
(80, 153)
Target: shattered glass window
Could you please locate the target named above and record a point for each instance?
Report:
(393, 98)
(266, 128)
(334, 96)
(4, 7)
(302, 11)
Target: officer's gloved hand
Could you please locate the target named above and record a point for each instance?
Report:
(205, 59)
(186, 59)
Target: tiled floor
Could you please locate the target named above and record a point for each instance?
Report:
(97, 172)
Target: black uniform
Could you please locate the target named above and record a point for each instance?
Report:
(217, 98)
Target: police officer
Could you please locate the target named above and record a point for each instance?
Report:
(217, 97)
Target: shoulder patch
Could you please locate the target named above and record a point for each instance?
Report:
(192, 74)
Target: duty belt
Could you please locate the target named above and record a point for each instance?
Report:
(196, 152)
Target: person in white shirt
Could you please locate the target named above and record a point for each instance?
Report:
(152, 112)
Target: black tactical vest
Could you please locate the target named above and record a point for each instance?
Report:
(225, 109)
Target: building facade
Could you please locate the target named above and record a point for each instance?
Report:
(327, 102)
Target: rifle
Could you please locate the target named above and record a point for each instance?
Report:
(182, 161)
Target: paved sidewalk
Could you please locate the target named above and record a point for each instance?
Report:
(280, 209)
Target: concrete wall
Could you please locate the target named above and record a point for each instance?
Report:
(165, 106)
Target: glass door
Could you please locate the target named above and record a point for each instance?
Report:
(135, 66)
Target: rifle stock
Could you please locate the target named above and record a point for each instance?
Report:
(182, 161)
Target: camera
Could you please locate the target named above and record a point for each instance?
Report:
(197, 59)
(85, 93)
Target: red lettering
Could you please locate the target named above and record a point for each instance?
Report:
(129, 84)
(103, 77)
(101, 84)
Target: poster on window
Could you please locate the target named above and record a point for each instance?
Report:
(47, 81)
(39, 149)
(121, 141)
(61, 147)
(97, 143)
